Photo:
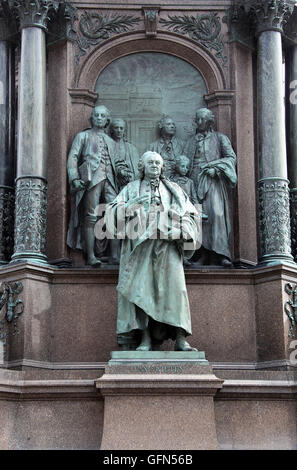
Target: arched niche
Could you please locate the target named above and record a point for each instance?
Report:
(185, 49)
(194, 63)
(142, 87)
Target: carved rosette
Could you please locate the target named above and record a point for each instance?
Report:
(33, 12)
(6, 223)
(274, 219)
(293, 204)
(269, 15)
(30, 217)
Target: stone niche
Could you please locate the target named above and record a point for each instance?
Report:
(160, 84)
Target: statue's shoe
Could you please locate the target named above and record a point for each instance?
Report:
(226, 263)
(144, 347)
(183, 345)
(94, 262)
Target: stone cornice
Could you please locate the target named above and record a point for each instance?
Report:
(266, 15)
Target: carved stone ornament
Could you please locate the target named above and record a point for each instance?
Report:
(61, 25)
(291, 307)
(150, 21)
(39, 13)
(94, 27)
(293, 204)
(6, 223)
(268, 15)
(30, 216)
(274, 218)
(33, 12)
(10, 310)
(205, 29)
(290, 28)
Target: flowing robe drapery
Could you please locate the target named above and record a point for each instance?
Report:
(151, 276)
(213, 150)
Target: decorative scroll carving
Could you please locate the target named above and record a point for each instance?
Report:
(6, 223)
(293, 204)
(274, 217)
(291, 307)
(95, 27)
(268, 15)
(14, 308)
(204, 29)
(150, 21)
(30, 217)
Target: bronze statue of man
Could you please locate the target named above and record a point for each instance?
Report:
(213, 169)
(152, 294)
(168, 145)
(126, 154)
(91, 172)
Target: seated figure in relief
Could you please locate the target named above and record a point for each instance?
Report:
(168, 146)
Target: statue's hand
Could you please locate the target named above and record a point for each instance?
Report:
(78, 185)
(211, 172)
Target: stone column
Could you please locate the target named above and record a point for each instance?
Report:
(273, 190)
(291, 115)
(31, 183)
(7, 150)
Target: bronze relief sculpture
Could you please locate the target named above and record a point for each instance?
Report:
(168, 145)
(91, 172)
(213, 170)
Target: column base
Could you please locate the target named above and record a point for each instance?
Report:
(272, 260)
(28, 257)
(159, 404)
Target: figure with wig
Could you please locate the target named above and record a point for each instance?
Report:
(168, 145)
(152, 296)
(213, 170)
(91, 173)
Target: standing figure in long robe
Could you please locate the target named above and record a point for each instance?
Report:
(152, 294)
(213, 169)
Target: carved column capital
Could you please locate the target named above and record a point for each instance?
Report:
(268, 15)
(33, 13)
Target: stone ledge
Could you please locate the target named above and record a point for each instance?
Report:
(251, 389)
(86, 275)
(158, 384)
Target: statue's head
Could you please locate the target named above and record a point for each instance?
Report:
(118, 128)
(204, 119)
(100, 117)
(182, 165)
(166, 126)
(151, 164)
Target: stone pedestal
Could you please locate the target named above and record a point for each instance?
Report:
(159, 400)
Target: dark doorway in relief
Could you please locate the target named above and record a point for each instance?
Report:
(141, 87)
